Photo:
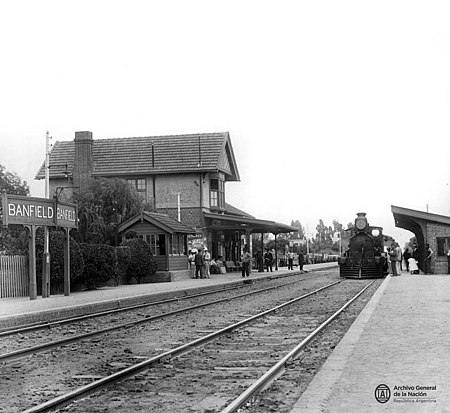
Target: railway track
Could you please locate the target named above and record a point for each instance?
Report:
(235, 339)
(65, 337)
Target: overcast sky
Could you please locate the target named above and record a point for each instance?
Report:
(333, 107)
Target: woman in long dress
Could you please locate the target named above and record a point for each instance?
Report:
(413, 268)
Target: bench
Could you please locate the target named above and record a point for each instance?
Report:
(231, 266)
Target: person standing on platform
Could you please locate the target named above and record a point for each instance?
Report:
(301, 260)
(428, 254)
(268, 259)
(207, 258)
(393, 257)
(290, 258)
(246, 259)
(448, 261)
(191, 260)
(406, 257)
(259, 261)
(199, 262)
(416, 256)
(399, 258)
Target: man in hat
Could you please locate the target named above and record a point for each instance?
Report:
(199, 263)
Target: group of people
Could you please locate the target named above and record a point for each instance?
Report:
(290, 260)
(395, 259)
(262, 261)
(412, 258)
(202, 265)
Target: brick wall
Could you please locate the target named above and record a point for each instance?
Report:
(168, 186)
(439, 265)
(83, 161)
(189, 216)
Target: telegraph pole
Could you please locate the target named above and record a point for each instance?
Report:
(46, 256)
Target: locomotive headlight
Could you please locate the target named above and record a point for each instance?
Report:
(360, 224)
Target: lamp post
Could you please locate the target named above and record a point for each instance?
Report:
(46, 256)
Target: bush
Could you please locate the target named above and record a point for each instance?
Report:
(123, 259)
(99, 265)
(14, 240)
(56, 249)
(141, 262)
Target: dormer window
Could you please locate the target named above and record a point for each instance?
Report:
(217, 193)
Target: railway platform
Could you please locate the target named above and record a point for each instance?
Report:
(22, 310)
(394, 358)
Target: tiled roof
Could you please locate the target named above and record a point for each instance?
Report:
(231, 210)
(150, 155)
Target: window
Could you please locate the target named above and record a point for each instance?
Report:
(217, 193)
(139, 184)
(214, 199)
(443, 245)
(157, 243)
(176, 245)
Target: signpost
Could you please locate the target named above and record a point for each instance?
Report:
(41, 212)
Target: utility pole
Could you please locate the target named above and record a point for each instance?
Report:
(46, 256)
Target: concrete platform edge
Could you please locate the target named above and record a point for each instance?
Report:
(318, 393)
(55, 314)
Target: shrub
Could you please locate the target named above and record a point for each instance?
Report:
(141, 262)
(99, 265)
(56, 249)
(123, 259)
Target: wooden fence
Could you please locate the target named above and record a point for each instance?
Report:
(14, 280)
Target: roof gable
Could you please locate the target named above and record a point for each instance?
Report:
(150, 155)
(161, 221)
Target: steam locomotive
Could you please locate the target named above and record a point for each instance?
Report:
(365, 257)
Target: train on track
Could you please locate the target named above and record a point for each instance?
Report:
(365, 257)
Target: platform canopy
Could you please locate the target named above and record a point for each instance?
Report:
(246, 223)
(415, 221)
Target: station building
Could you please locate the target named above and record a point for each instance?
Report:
(428, 228)
(182, 176)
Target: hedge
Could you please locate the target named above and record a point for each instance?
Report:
(56, 249)
(141, 263)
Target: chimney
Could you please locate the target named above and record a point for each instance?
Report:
(83, 166)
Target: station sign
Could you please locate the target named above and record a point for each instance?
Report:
(24, 210)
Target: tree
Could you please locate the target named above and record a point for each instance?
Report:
(323, 236)
(13, 240)
(301, 232)
(282, 242)
(12, 183)
(106, 204)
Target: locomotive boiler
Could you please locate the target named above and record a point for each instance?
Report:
(365, 257)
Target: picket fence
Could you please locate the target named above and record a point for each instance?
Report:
(14, 280)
